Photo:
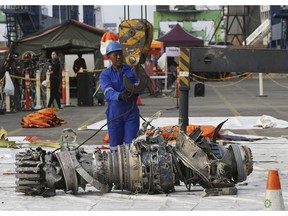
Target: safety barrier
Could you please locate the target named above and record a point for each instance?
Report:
(86, 70)
(47, 87)
(66, 85)
(246, 74)
(67, 88)
(27, 92)
(7, 101)
(29, 97)
(37, 97)
(63, 86)
(38, 91)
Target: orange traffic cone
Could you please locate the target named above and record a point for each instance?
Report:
(273, 198)
(139, 102)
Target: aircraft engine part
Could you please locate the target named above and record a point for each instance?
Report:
(149, 170)
(29, 172)
(149, 165)
(145, 166)
(229, 166)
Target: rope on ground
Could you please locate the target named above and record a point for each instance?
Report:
(247, 75)
(279, 84)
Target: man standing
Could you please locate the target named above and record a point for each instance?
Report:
(79, 63)
(122, 112)
(16, 69)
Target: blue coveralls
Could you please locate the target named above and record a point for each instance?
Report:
(126, 127)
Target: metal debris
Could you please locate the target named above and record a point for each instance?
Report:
(149, 165)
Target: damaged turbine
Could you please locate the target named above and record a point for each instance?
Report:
(149, 165)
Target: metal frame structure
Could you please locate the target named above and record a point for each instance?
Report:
(238, 22)
(187, 16)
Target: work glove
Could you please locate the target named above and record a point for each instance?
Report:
(125, 96)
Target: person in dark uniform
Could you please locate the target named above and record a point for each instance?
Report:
(79, 63)
(16, 69)
(55, 80)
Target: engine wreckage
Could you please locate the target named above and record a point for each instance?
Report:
(149, 165)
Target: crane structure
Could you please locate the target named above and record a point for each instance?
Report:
(187, 15)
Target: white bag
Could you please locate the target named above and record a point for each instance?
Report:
(9, 87)
(44, 83)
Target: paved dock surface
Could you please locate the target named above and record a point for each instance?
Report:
(222, 98)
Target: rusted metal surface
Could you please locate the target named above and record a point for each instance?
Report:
(69, 172)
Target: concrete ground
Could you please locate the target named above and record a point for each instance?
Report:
(222, 98)
(239, 97)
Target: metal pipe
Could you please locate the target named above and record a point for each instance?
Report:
(27, 90)
(260, 84)
(63, 85)
(38, 106)
(183, 109)
(47, 87)
(67, 88)
(124, 7)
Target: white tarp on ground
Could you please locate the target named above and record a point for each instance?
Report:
(234, 122)
(268, 154)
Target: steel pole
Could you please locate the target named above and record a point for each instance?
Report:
(183, 110)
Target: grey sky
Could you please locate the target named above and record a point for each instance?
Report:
(115, 13)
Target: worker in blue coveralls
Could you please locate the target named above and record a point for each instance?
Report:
(122, 105)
